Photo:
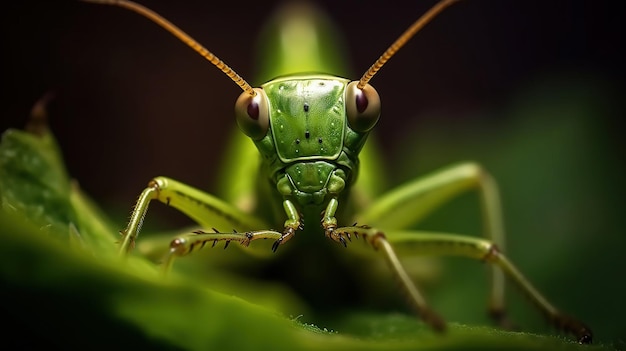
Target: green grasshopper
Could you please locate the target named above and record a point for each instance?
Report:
(310, 131)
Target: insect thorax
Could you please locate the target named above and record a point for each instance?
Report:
(310, 149)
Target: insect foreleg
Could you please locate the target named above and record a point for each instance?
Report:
(291, 224)
(378, 240)
(205, 209)
(329, 222)
(186, 243)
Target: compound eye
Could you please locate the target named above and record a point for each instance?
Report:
(362, 107)
(252, 114)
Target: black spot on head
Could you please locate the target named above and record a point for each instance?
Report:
(297, 141)
(307, 134)
(306, 107)
(319, 140)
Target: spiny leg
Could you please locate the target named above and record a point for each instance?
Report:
(430, 243)
(209, 212)
(292, 223)
(186, 243)
(205, 209)
(378, 241)
(409, 203)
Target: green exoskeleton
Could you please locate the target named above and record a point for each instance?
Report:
(310, 129)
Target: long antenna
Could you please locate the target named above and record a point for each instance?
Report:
(182, 36)
(408, 34)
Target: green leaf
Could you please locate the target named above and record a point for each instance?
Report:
(33, 181)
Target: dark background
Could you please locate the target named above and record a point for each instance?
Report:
(132, 103)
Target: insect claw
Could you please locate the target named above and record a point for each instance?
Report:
(214, 242)
(276, 244)
(342, 240)
(215, 230)
(349, 237)
(226, 245)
